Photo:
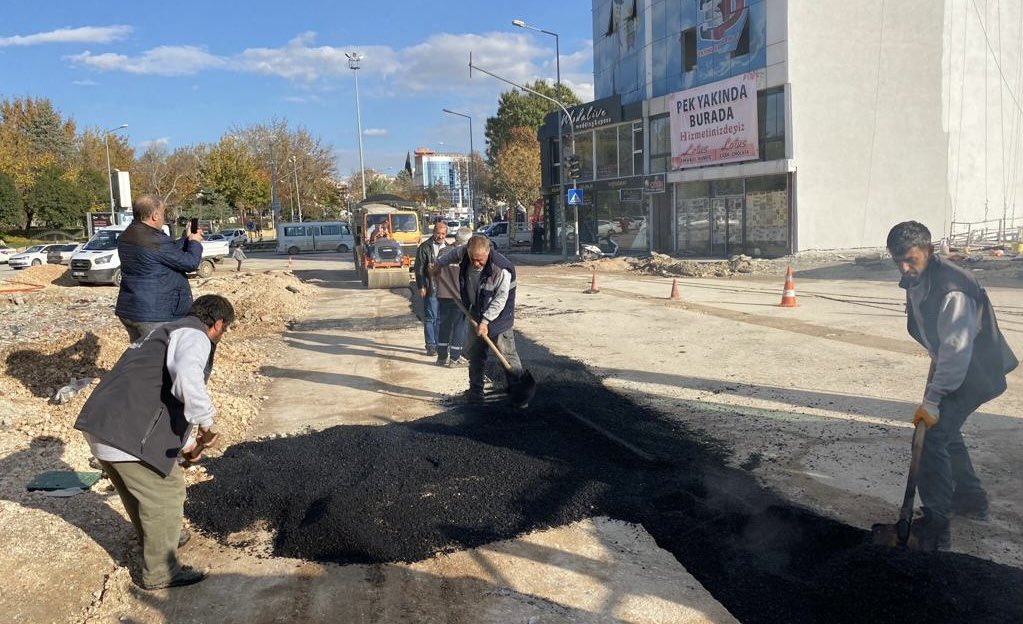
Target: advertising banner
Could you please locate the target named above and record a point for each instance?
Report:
(715, 123)
(721, 25)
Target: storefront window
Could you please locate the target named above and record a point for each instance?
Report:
(607, 152)
(660, 144)
(584, 149)
(767, 215)
(637, 148)
(625, 150)
(771, 122)
(692, 212)
(555, 162)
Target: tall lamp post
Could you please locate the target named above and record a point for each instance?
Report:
(561, 139)
(298, 196)
(470, 169)
(354, 64)
(110, 181)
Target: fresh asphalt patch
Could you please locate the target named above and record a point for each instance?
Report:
(476, 474)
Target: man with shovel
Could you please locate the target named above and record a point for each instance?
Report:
(486, 280)
(950, 315)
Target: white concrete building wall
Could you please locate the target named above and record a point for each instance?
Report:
(867, 127)
(982, 67)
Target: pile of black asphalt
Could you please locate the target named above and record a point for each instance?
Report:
(476, 474)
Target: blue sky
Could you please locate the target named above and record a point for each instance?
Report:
(183, 72)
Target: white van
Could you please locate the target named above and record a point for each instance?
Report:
(294, 238)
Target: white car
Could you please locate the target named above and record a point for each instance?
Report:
(33, 256)
(498, 235)
(235, 237)
(5, 253)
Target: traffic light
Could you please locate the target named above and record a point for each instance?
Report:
(574, 167)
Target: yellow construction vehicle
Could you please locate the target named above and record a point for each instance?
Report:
(386, 239)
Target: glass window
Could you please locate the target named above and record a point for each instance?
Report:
(660, 135)
(404, 223)
(584, 149)
(555, 161)
(607, 152)
(688, 50)
(625, 150)
(294, 230)
(637, 148)
(330, 230)
(771, 121)
(344, 230)
(767, 215)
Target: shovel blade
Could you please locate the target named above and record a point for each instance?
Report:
(521, 388)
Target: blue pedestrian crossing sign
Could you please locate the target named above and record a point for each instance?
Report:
(575, 197)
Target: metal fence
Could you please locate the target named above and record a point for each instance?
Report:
(986, 233)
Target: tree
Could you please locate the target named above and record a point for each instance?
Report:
(517, 169)
(229, 172)
(173, 177)
(92, 151)
(10, 202)
(517, 109)
(33, 139)
(55, 200)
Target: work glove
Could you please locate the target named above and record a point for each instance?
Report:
(927, 412)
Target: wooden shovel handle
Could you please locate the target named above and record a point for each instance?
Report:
(486, 339)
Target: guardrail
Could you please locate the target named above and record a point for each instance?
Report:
(992, 232)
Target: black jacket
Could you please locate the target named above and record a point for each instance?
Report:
(992, 358)
(424, 258)
(154, 286)
(133, 409)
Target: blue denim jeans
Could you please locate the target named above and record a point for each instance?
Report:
(451, 336)
(945, 465)
(430, 320)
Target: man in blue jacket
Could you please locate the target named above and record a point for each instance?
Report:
(140, 417)
(950, 315)
(154, 284)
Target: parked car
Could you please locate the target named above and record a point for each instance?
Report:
(234, 236)
(5, 253)
(498, 235)
(33, 256)
(61, 254)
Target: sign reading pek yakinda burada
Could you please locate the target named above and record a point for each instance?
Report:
(715, 123)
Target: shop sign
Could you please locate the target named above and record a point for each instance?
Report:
(715, 123)
(595, 114)
(654, 183)
(100, 220)
(631, 194)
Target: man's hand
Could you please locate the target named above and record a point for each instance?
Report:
(422, 292)
(208, 436)
(433, 270)
(195, 236)
(927, 412)
(483, 329)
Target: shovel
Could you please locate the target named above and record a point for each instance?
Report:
(521, 386)
(898, 534)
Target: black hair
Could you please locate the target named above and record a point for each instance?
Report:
(212, 308)
(907, 235)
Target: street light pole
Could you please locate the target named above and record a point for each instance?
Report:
(561, 140)
(470, 169)
(110, 181)
(354, 63)
(298, 196)
(571, 128)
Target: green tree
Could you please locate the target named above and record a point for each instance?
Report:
(228, 170)
(10, 202)
(517, 170)
(517, 109)
(55, 200)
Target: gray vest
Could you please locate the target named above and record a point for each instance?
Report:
(133, 409)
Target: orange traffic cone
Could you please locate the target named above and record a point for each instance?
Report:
(594, 289)
(674, 290)
(788, 296)
(289, 262)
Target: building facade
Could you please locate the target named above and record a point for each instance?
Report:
(769, 127)
(435, 170)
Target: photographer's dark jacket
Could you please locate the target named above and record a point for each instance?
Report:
(154, 286)
(949, 313)
(139, 407)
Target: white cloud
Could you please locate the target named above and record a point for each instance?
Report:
(439, 62)
(84, 34)
(374, 132)
(84, 83)
(161, 61)
(160, 142)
